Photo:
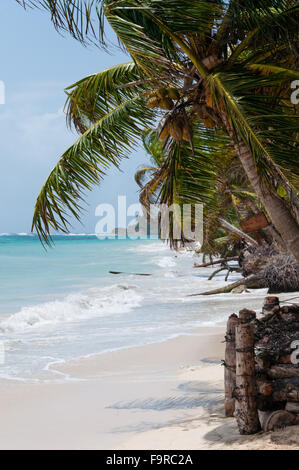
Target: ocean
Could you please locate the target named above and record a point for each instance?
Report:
(63, 303)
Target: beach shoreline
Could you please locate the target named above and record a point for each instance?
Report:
(164, 396)
(103, 401)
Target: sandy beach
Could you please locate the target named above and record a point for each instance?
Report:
(161, 396)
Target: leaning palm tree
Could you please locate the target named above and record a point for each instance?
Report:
(210, 175)
(227, 64)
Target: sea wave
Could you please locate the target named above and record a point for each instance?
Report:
(152, 247)
(165, 262)
(116, 299)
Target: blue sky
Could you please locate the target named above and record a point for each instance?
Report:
(36, 65)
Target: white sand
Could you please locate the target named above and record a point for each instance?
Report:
(163, 396)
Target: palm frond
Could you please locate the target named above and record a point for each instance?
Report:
(104, 144)
(260, 131)
(263, 16)
(94, 96)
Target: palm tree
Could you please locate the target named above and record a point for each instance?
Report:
(212, 175)
(227, 64)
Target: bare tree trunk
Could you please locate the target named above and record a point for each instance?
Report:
(246, 404)
(230, 366)
(219, 261)
(250, 281)
(231, 228)
(279, 213)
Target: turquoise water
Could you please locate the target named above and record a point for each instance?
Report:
(29, 274)
(62, 303)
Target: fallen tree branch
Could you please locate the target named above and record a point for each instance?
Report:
(135, 274)
(225, 268)
(231, 228)
(219, 261)
(246, 281)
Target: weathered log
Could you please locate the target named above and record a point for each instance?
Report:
(279, 419)
(230, 366)
(246, 404)
(285, 359)
(292, 407)
(249, 281)
(247, 316)
(263, 416)
(231, 228)
(262, 363)
(264, 388)
(135, 274)
(286, 389)
(267, 404)
(271, 305)
(290, 313)
(280, 390)
(283, 371)
(219, 261)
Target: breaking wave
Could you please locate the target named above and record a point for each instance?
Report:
(116, 299)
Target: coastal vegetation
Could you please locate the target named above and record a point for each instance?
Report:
(208, 89)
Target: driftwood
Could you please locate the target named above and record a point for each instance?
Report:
(230, 366)
(246, 391)
(135, 274)
(267, 377)
(264, 388)
(273, 420)
(292, 407)
(271, 305)
(249, 281)
(225, 268)
(286, 389)
(246, 316)
(238, 233)
(219, 261)
(283, 371)
(231, 270)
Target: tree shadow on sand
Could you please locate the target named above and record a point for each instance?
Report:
(189, 395)
(193, 395)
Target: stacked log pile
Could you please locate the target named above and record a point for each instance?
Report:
(262, 368)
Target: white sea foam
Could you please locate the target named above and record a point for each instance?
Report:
(77, 235)
(165, 262)
(153, 247)
(75, 307)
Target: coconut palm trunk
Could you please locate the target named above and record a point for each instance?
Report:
(278, 212)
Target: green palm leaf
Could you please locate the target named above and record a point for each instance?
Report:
(106, 142)
(93, 96)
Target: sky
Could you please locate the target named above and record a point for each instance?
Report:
(37, 63)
